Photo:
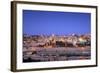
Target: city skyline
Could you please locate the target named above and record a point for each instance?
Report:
(59, 23)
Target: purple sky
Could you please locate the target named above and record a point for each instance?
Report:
(51, 22)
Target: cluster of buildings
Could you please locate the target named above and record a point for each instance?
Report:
(38, 48)
(50, 41)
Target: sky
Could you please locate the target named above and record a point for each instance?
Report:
(52, 22)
